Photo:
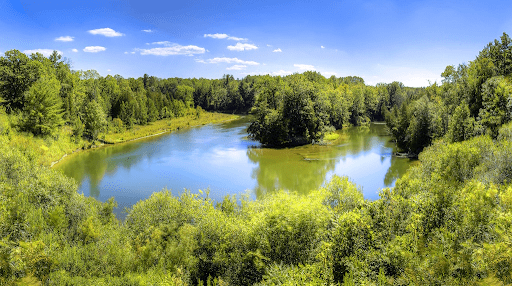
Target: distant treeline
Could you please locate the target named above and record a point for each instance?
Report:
(46, 93)
(301, 108)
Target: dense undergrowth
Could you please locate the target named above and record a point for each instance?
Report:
(448, 221)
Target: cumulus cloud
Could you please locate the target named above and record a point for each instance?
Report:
(322, 47)
(44, 52)
(107, 32)
(242, 47)
(277, 50)
(224, 36)
(74, 50)
(65, 39)
(165, 43)
(148, 31)
(173, 50)
(237, 67)
(94, 49)
(228, 61)
(304, 67)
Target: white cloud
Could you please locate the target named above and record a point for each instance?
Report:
(74, 50)
(304, 67)
(165, 43)
(44, 52)
(132, 53)
(107, 32)
(322, 47)
(269, 45)
(282, 73)
(94, 49)
(108, 70)
(242, 47)
(148, 31)
(237, 67)
(277, 51)
(65, 39)
(126, 53)
(228, 61)
(224, 36)
(173, 50)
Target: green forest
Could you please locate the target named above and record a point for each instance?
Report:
(447, 221)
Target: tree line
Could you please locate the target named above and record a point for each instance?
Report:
(301, 108)
(46, 93)
(473, 99)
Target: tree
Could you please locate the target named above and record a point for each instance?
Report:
(500, 53)
(17, 74)
(496, 95)
(419, 132)
(358, 108)
(247, 91)
(299, 112)
(127, 113)
(43, 107)
(461, 124)
(185, 94)
(152, 111)
(94, 119)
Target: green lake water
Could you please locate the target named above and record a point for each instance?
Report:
(221, 158)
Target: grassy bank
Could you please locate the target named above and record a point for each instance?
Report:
(167, 125)
(48, 150)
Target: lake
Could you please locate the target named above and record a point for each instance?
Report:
(222, 159)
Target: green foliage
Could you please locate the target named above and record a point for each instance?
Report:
(127, 114)
(342, 195)
(473, 99)
(42, 106)
(94, 119)
(301, 108)
(17, 74)
(461, 126)
(117, 125)
(495, 111)
(447, 221)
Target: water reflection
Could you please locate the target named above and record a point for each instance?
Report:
(221, 158)
(93, 165)
(362, 153)
(291, 169)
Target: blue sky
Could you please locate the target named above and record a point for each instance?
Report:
(380, 41)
